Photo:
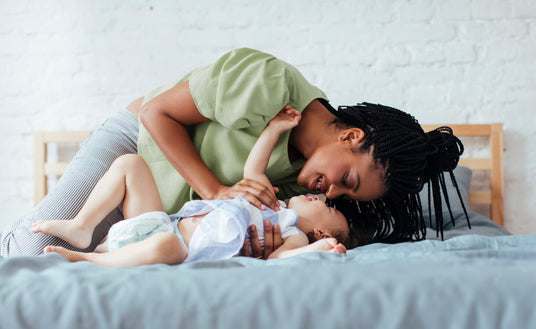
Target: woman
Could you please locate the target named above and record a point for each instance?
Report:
(195, 134)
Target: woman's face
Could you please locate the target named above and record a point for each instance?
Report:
(335, 170)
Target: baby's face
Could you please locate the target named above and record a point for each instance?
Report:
(314, 213)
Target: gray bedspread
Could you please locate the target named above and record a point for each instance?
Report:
(470, 281)
(478, 278)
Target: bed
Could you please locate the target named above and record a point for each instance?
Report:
(476, 278)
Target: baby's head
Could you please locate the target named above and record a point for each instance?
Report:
(319, 221)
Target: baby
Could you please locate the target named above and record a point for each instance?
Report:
(202, 229)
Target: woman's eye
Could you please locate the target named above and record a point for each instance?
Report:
(345, 180)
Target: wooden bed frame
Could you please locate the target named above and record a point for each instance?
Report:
(492, 197)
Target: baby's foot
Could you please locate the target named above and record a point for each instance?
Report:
(68, 230)
(328, 245)
(72, 256)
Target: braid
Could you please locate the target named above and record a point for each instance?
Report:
(411, 159)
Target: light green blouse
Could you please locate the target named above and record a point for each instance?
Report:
(240, 93)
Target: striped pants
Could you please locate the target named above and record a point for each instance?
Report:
(116, 136)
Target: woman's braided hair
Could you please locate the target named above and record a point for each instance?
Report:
(411, 159)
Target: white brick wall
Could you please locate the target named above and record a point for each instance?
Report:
(68, 64)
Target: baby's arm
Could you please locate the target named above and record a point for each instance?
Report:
(259, 155)
(298, 244)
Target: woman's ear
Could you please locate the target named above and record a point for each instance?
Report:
(321, 234)
(354, 136)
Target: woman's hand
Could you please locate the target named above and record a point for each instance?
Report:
(272, 241)
(259, 195)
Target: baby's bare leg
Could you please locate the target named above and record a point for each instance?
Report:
(161, 248)
(128, 181)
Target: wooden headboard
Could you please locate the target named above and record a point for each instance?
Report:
(492, 197)
(42, 166)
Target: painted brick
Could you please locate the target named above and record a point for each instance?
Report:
(453, 9)
(491, 9)
(69, 64)
(460, 53)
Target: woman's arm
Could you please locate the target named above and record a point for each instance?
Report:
(165, 118)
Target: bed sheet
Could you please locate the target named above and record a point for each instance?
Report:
(470, 281)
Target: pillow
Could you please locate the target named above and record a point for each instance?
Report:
(463, 178)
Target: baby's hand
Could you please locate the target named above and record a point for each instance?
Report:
(327, 245)
(286, 119)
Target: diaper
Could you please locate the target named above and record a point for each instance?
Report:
(139, 228)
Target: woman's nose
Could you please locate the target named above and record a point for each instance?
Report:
(333, 192)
